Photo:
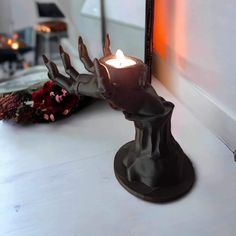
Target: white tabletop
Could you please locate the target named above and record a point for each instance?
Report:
(57, 180)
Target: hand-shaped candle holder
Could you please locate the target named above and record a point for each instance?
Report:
(153, 166)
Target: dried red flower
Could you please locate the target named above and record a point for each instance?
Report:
(53, 101)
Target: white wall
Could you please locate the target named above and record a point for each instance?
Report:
(201, 46)
(5, 16)
(24, 13)
(208, 54)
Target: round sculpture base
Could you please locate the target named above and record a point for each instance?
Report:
(158, 194)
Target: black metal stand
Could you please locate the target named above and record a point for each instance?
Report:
(153, 167)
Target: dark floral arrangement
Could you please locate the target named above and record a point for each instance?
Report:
(46, 104)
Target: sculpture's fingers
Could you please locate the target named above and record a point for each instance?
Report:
(62, 81)
(69, 69)
(56, 76)
(103, 82)
(84, 57)
(52, 68)
(106, 49)
(99, 78)
(97, 67)
(45, 60)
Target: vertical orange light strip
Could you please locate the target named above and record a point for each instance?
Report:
(160, 33)
(180, 35)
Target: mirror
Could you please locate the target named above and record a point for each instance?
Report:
(125, 22)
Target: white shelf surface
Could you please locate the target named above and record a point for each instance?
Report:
(57, 179)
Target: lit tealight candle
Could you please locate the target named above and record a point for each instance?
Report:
(124, 71)
(120, 60)
(15, 46)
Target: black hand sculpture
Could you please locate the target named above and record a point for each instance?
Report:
(153, 166)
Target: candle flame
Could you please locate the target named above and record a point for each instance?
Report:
(120, 55)
(9, 41)
(15, 46)
(120, 60)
